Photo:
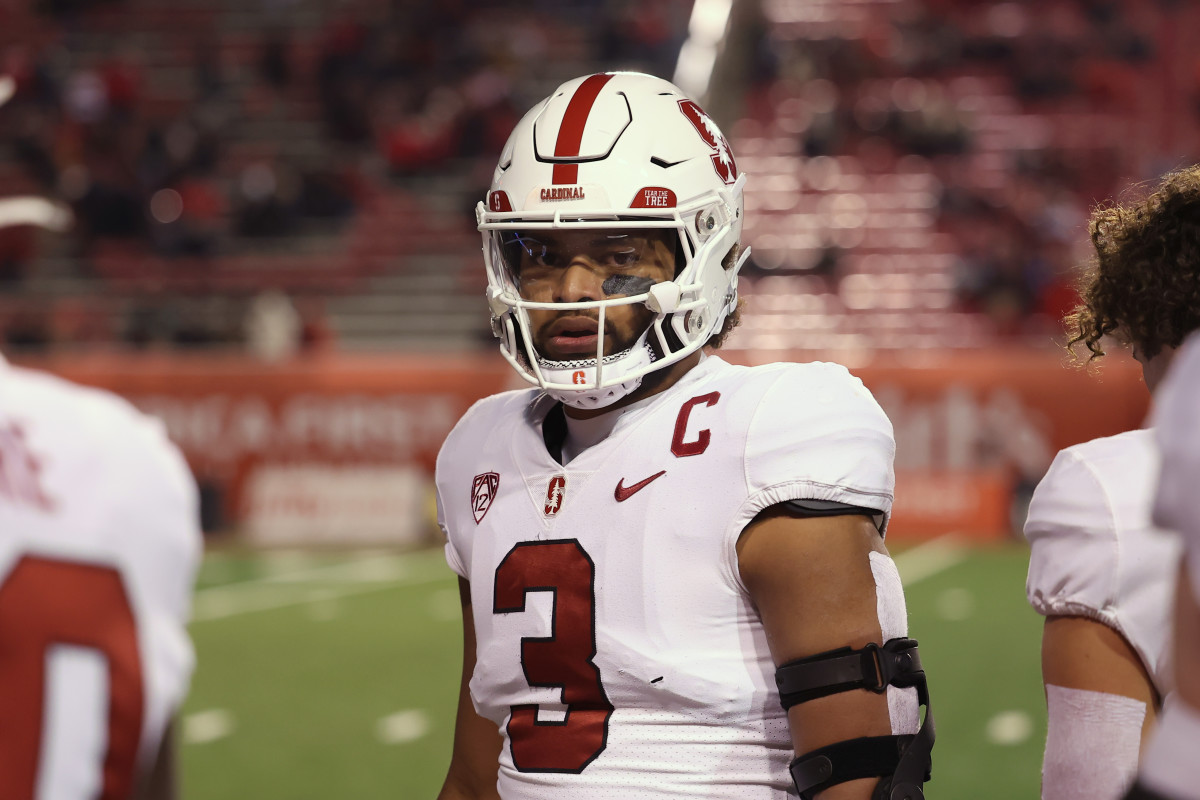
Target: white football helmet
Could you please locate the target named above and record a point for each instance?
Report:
(616, 150)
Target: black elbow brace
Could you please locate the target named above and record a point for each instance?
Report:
(902, 763)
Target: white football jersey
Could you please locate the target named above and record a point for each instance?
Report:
(1094, 551)
(618, 649)
(1176, 418)
(99, 545)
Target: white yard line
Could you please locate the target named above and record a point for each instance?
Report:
(373, 573)
(1009, 728)
(928, 559)
(203, 727)
(403, 726)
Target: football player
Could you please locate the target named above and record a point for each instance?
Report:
(1169, 770)
(1100, 571)
(99, 544)
(673, 572)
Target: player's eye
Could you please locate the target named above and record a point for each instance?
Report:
(542, 256)
(622, 259)
(523, 252)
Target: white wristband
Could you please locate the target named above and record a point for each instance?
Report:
(1092, 743)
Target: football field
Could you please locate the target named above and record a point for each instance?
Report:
(334, 676)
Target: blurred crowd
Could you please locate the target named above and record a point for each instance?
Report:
(196, 133)
(184, 135)
(895, 91)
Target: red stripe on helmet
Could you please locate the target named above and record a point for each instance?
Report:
(570, 134)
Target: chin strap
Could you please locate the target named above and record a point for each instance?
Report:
(903, 763)
(583, 372)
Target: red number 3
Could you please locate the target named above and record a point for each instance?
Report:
(45, 602)
(563, 660)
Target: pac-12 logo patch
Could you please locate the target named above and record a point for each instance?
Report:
(554, 495)
(483, 492)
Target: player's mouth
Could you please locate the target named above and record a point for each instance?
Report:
(571, 336)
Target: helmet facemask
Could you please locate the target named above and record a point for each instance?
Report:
(527, 216)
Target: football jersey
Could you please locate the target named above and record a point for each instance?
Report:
(1177, 428)
(1094, 551)
(99, 544)
(617, 647)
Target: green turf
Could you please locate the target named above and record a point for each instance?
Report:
(307, 682)
(981, 666)
(307, 685)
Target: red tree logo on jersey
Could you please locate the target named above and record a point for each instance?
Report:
(483, 492)
(554, 495)
(722, 159)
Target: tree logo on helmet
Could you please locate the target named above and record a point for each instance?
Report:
(722, 158)
(498, 201)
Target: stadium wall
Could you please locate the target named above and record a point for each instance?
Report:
(339, 449)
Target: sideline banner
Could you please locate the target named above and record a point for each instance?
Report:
(340, 448)
(335, 449)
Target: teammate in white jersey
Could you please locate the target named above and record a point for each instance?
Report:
(1100, 571)
(1169, 770)
(673, 574)
(99, 544)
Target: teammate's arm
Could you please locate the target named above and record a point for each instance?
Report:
(811, 580)
(475, 759)
(1102, 707)
(1085, 654)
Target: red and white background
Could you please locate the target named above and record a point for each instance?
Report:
(340, 449)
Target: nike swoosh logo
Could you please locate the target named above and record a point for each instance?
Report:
(658, 162)
(623, 493)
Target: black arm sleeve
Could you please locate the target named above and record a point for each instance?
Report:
(828, 508)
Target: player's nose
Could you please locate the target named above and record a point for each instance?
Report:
(580, 281)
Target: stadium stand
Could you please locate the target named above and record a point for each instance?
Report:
(213, 151)
(929, 165)
(922, 167)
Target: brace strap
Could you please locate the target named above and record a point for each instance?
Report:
(903, 763)
(897, 663)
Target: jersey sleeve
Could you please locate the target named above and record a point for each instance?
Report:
(165, 495)
(453, 558)
(818, 434)
(1072, 535)
(163, 502)
(456, 470)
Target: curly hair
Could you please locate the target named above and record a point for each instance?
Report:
(1143, 286)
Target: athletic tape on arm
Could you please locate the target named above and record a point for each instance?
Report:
(893, 621)
(1092, 743)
